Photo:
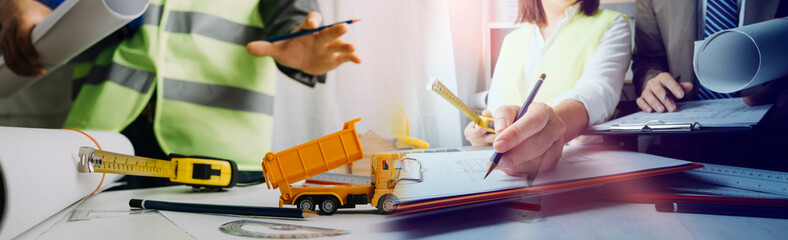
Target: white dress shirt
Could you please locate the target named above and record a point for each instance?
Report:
(599, 87)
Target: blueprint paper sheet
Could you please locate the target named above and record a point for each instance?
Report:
(461, 173)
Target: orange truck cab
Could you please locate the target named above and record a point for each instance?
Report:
(325, 154)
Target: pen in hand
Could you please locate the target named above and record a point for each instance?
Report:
(668, 93)
(305, 32)
(496, 157)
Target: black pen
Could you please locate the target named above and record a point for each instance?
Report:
(496, 157)
(222, 209)
(715, 209)
(305, 32)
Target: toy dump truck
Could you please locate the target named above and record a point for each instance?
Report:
(329, 152)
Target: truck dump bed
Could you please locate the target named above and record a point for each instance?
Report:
(312, 158)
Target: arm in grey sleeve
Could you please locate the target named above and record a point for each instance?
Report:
(649, 57)
(281, 17)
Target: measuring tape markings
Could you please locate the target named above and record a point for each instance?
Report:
(149, 167)
(481, 121)
(195, 171)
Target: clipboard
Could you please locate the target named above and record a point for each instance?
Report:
(555, 181)
(705, 116)
(655, 126)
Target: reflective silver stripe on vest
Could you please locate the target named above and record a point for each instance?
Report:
(152, 15)
(218, 96)
(212, 27)
(134, 79)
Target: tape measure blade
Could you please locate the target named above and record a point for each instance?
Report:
(444, 92)
(133, 165)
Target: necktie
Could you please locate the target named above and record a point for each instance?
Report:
(51, 3)
(720, 15)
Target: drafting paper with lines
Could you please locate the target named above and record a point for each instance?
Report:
(448, 174)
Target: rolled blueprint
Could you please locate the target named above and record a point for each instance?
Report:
(39, 173)
(69, 30)
(743, 57)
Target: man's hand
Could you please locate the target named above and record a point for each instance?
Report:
(314, 54)
(532, 143)
(479, 136)
(774, 92)
(18, 17)
(655, 97)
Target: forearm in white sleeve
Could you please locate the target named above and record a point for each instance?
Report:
(599, 87)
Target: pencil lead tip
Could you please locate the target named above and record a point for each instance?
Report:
(355, 20)
(490, 167)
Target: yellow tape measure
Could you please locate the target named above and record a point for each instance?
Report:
(481, 121)
(193, 171)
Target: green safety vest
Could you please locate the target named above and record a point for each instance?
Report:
(212, 97)
(563, 63)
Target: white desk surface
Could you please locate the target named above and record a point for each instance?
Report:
(567, 218)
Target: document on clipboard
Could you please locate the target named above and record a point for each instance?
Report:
(456, 178)
(691, 116)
